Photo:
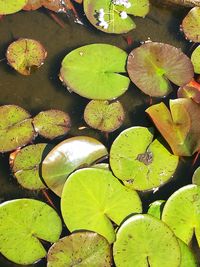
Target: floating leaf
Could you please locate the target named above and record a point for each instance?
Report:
(190, 90)
(16, 128)
(116, 16)
(187, 256)
(103, 115)
(191, 25)
(82, 249)
(10, 6)
(195, 58)
(94, 71)
(155, 208)
(69, 155)
(33, 5)
(26, 165)
(141, 162)
(25, 54)
(103, 198)
(180, 125)
(181, 213)
(23, 223)
(52, 123)
(143, 240)
(196, 177)
(153, 65)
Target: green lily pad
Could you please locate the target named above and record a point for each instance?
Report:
(69, 155)
(196, 177)
(10, 6)
(95, 71)
(188, 258)
(190, 90)
(195, 58)
(16, 128)
(143, 240)
(26, 164)
(180, 125)
(155, 208)
(191, 25)
(80, 249)
(103, 199)
(115, 20)
(182, 213)
(24, 222)
(104, 116)
(143, 163)
(24, 55)
(153, 65)
(52, 123)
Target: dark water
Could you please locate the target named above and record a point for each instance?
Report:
(43, 90)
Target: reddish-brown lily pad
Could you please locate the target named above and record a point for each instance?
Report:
(191, 25)
(191, 90)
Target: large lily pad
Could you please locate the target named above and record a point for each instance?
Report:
(191, 25)
(190, 90)
(180, 125)
(182, 213)
(112, 14)
(143, 240)
(10, 6)
(195, 58)
(24, 222)
(52, 123)
(24, 55)
(103, 115)
(16, 128)
(26, 166)
(80, 249)
(141, 162)
(153, 65)
(95, 71)
(103, 199)
(69, 155)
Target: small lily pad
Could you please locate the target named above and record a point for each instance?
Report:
(191, 25)
(195, 58)
(104, 116)
(10, 6)
(153, 65)
(16, 128)
(196, 177)
(80, 249)
(143, 163)
(143, 240)
(155, 208)
(25, 54)
(181, 213)
(115, 16)
(25, 166)
(95, 71)
(103, 199)
(190, 90)
(24, 222)
(69, 155)
(52, 123)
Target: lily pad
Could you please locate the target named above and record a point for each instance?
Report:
(103, 199)
(69, 155)
(95, 71)
(116, 16)
(52, 123)
(25, 54)
(26, 164)
(155, 208)
(104, 116)
(143, 163)
(80, 249)
(188, 258)
(153, 65)
(16, 128)
(196, 177)
(10, 6)
(180, 125)
(191, 25)
(143, 240)
(33, 5)
(24, 222)
(181, 213)
(195, 58)
(190, 90)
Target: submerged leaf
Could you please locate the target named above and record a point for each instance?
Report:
(103, 199)
(25, 54)
(153, 65)
(10, 6)
(94, 71)
(82, 249)
(191, 25)
(23, 223)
